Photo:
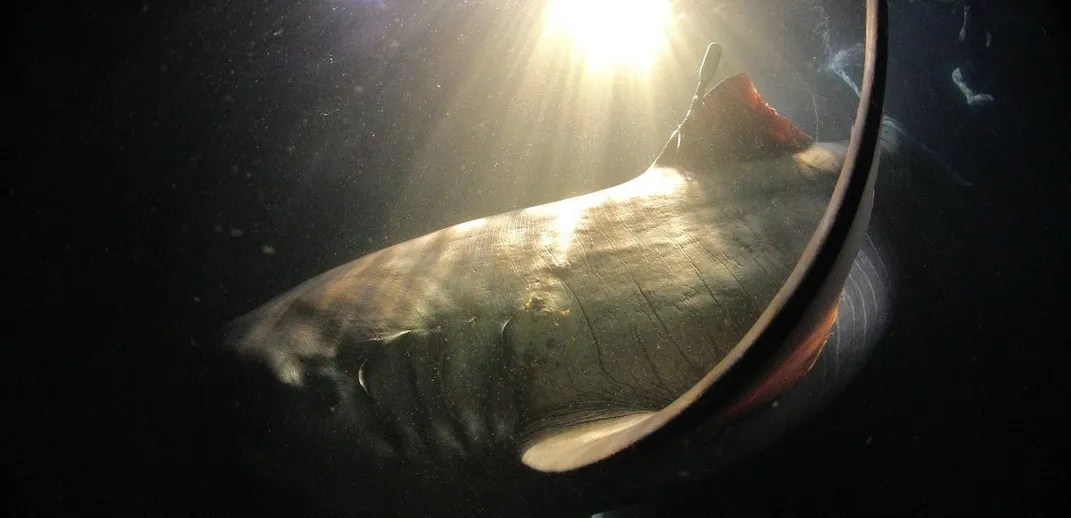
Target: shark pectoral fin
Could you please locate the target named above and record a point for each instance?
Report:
(583, 444)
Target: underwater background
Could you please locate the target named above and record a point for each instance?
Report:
(173, 165)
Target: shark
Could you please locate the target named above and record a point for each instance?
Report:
(532, 359)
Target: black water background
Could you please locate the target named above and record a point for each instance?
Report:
(109, 255)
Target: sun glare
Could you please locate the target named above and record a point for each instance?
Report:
(611, 32)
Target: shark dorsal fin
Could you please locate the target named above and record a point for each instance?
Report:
(733, 123)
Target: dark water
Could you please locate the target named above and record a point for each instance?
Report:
(176, 165)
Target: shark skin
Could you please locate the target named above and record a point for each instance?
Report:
(474, 369)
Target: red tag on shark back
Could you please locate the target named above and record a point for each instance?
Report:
(732, 122)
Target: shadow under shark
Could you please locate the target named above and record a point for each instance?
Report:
(574, 356)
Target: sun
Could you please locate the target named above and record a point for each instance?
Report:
(611, 33)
